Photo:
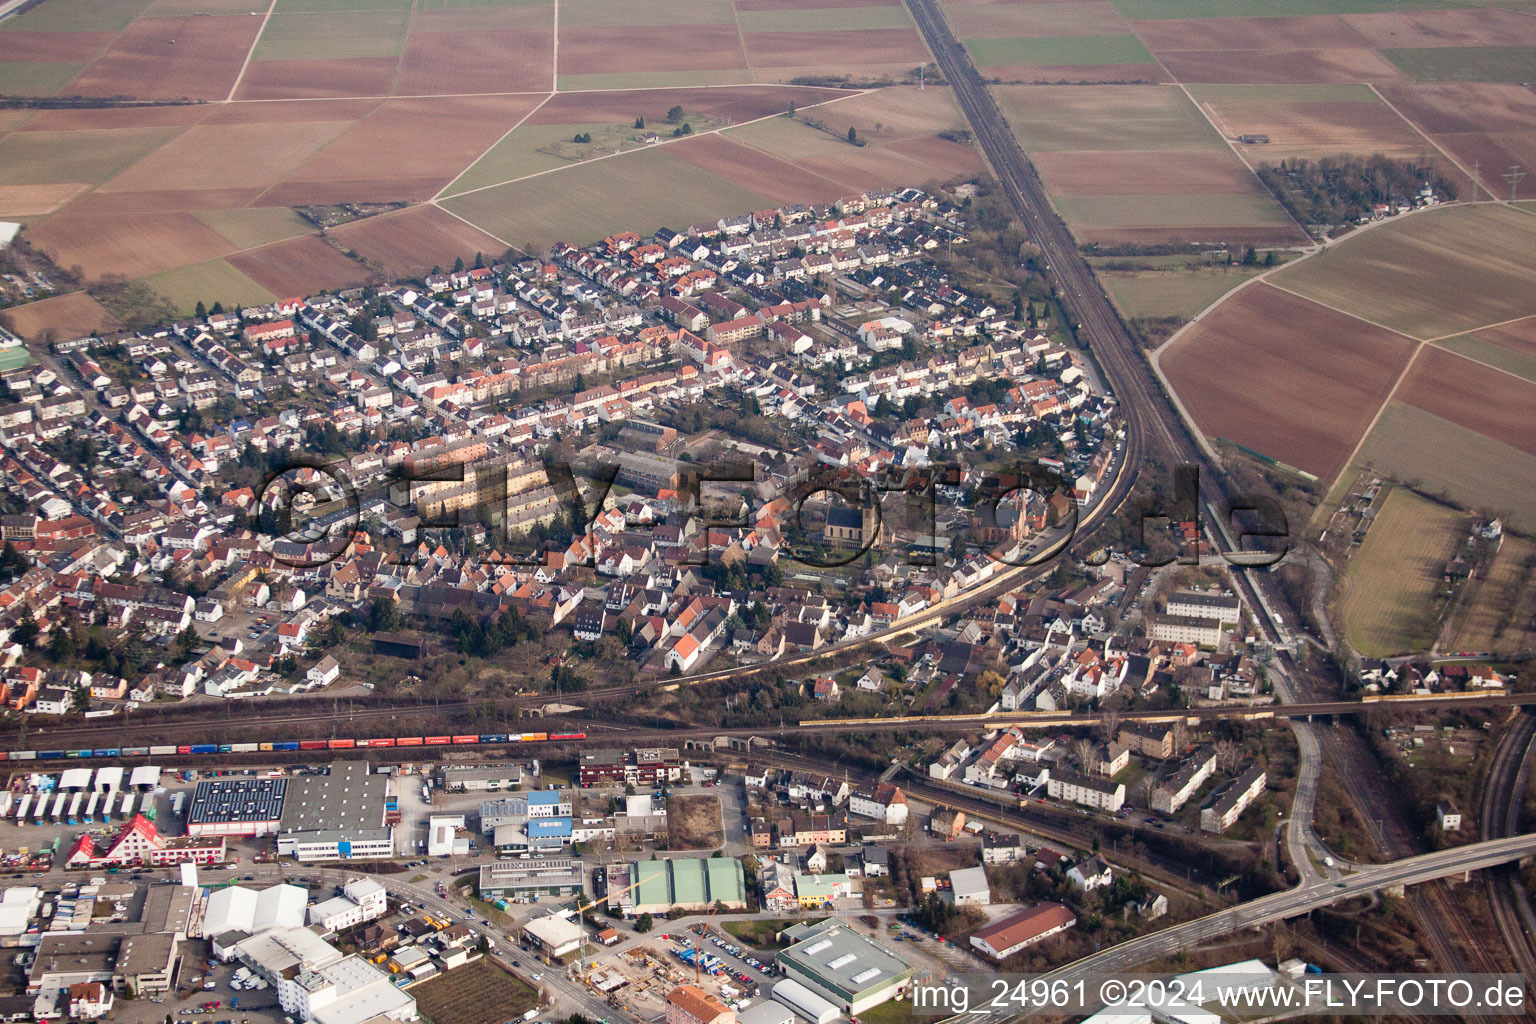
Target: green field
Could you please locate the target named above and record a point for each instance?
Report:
(355, 6)
(639, 192)
(1048, 50)
(1104, 117)
(1197, 211)
(652, 80)
(1172, 293)
(442, 5)
(1466, 63)
(1315, 93)
(595, 13)
(1141, 10)
(1431, 274)
(824, 19)
(1470, 345)
(36, 77)
(1471, 470)
(38, 158)
(247, 228)
(77, 16)
(543, 147)
(210, 282)
(329, 35)
(1395, 576)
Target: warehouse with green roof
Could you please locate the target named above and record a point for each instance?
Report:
(684, 883)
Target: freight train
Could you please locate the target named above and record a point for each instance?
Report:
(159, 750)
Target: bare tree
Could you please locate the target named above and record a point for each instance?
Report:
(1228, 756)
(1143, 790)
(1109, 725)
(1082, 753)
(1180, 730)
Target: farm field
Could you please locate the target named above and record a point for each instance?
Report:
(1104, 117)
(1498, 613)
(1479, 347)
(1311, 121)
(299, 266)
(32, 200)
(210, 282)
(1394, 578)
(1428, 275)
(413, 241)
(1177, 293)
(36, 77)
(638, 192)
(1447, 459)
(1477, 397)
(1151, 219)
(891, 158)
(1140, 164)
(68, 316)
(250, 227)
(130, 244)
(1286, 377)
(477, 993)
(1053, 50)
(1466, 63)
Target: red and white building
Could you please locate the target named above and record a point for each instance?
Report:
(140, 843)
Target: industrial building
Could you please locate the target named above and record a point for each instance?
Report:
(336, 816)
(644, 767)
(838, 964)
(236, 807)
(1007, 936)
(802, 1001)
(235, 913)
(316, 983)
(481, 778)
(554, 935)
(684, 883)
(547, 876)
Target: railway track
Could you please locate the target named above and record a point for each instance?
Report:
(1503, 799)
(367, 722)
(1147, 408)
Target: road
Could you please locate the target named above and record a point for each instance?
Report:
(1300, 900)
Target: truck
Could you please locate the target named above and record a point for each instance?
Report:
(531, 1014)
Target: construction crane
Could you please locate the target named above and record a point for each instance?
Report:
(703, 932)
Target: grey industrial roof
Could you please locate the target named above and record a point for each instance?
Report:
(225, 801)
(349, 798)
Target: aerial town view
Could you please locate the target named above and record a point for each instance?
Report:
(767, 511)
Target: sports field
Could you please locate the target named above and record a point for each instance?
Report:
(1394, 579)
